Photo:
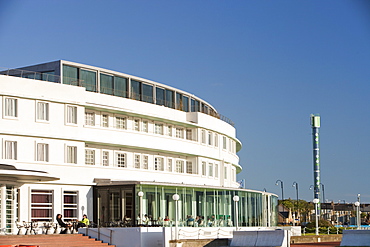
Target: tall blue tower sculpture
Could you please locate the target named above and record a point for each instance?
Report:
(315, 124)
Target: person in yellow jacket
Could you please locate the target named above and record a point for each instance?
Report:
(84, 222)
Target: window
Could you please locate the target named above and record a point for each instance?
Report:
(185, 103)
(204, 167)
(11, 107)
(137, 125)
(42, 111)
(169, 130)
(203, 136)
(158, 129)
(105, 120)
(42, 205)
(120, 123)
(216, 170)
(10, 150)
(72, 154)
(179, 166)
(105, 157)
(210, 138)
(42, 152)
(178, 101)
(169, 165)
(233, 174)
(89, 157)
(189, 167)
(189, 134)
(210, 169)
(216, 140)
(179, 133)
(121, 160)
(88, 79)
(169, 102)
(225, 172)
(147, 93)
(224, 141)
(137, 161)
(160, 96)
(70, 205)
(135, 90)
(72, 114)
(145, 126)
(90, 118)
(145, 161)
(158, 164)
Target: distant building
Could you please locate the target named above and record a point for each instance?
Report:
(80, 139)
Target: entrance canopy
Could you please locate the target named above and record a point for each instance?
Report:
(12, 174)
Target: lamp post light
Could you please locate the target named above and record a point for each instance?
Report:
(316, 201)
(141, 194)
(295, 184)
(282, 188)
(236, 200)
(176, 198)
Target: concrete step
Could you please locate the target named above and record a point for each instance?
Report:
(58, 240)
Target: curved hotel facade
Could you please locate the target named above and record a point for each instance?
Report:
(77, 139)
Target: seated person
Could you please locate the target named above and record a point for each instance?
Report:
(62, 224)
(84, 222)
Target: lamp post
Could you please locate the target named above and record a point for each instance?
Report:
(141, 194)
(323, 192)
(282, 187)
(316, 201)
(176, 198)
(357, 204)
(295, 184)
(236, 200)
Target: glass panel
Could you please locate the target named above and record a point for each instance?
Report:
(178, 101)
(106, 84)
(135, 90)
(70, 75)
(160, 98)
(147, 93)
(185, 103)
(120, 86)
(88, 79)
(169, 99)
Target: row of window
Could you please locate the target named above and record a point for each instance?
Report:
(133, 89)
(121, 122)
(42, 205)
(119, 159)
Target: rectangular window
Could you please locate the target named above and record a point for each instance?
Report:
(158, 129)
(169, 99)
(224, 142)
(180, 133)
(178, 101)
(42, 205)
(185, 103)
(137, 161)
(216, 170)
(72, 114)
(105, 120)
(225, 172)
(179, 166)
(70, 75)
(120, 86)
(195, 105)
(169, 165)
(89, 157)
(158, 164)
(120, 123)
(90, 118)
(210, 169)
(147, 93)
(216, 140)
(189, 134)
(106, 84)
(11, 107)
(42, 111)
(145, 126)
(121, 160)
(137, 125)
(204, 168)
(105, 157)
(88, 79)
(72, 154)
(169, 130)
(189, 167)
(135, 90)
(203, 136)
(43, 152)
(70, 205)
(210, 138)
(10, 150)
(145, 161)
(160, 96)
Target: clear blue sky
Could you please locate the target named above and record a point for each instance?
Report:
(267, 65)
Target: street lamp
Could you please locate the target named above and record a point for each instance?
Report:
(176, 198)
(282, 188)
(236, 200)
(316, 201)
(141, 194)
(295, 184)
(357, 204)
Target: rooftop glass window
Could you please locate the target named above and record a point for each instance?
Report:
(195, 105)
(185, 103)
(135, 90)
(120, 86)
(106, 84)
(88, 79)
(160, 96)
(178, 101)
(169, 99)
(70, 75)
(147, 93)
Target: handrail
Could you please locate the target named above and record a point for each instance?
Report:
(99, 233)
